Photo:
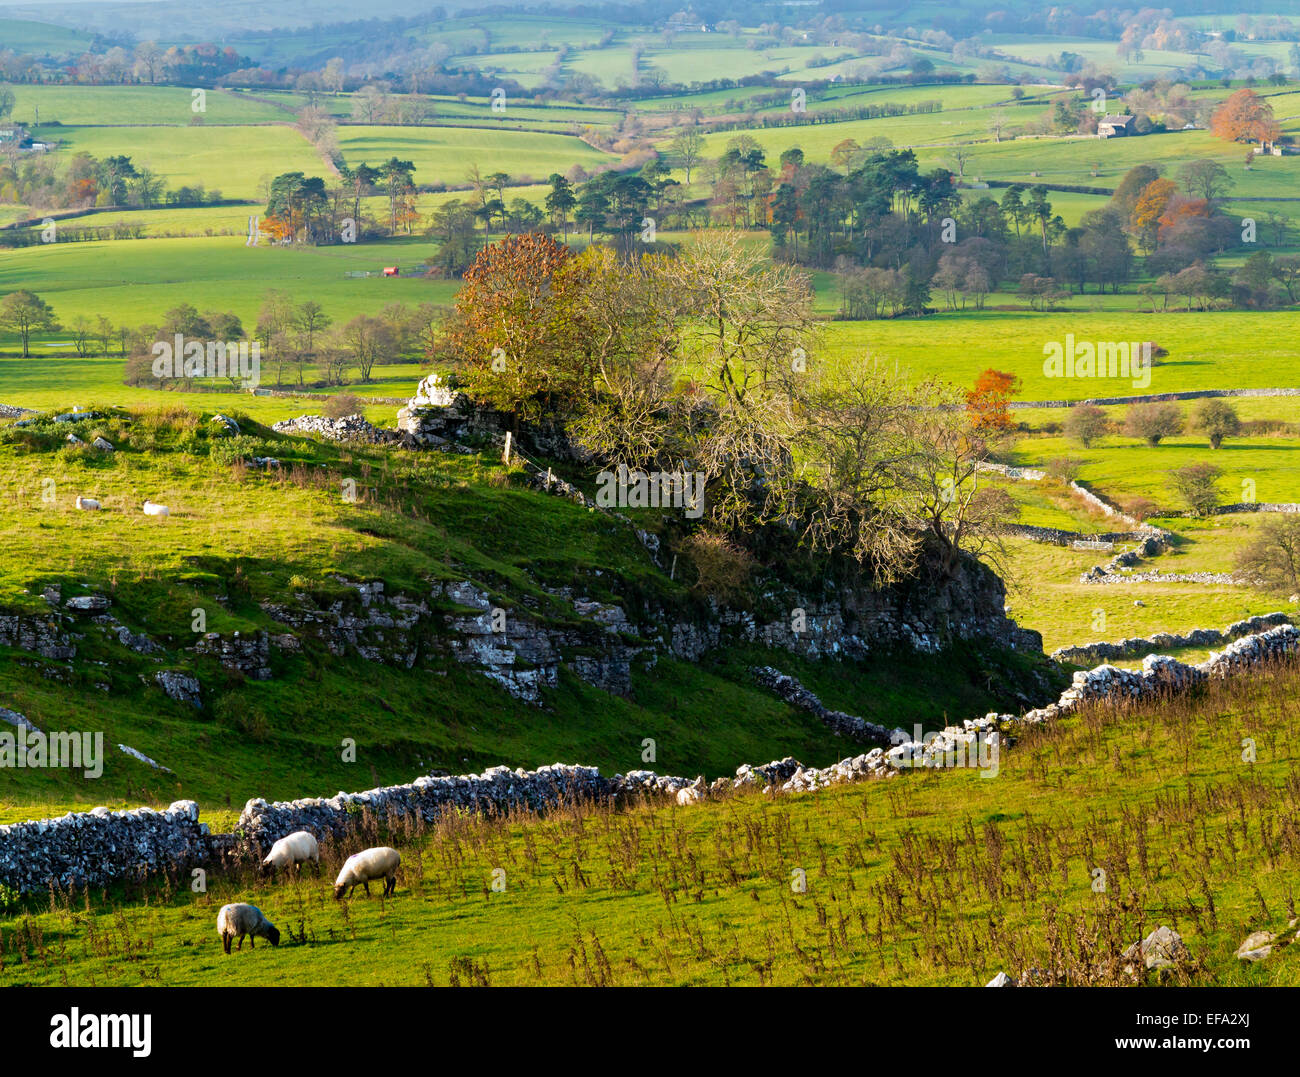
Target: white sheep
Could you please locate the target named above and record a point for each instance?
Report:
(291, 851)
(244, 920)
(152, 508)
(691, 794)
(381, 863)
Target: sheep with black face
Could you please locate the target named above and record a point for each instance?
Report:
(244, 920)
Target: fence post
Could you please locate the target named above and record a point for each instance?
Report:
(505, 458)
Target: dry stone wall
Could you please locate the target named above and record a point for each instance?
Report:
(1190, 394)
(1167, 641)
(100, 847)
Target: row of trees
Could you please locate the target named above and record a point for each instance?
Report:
(298, 336)
(1153, 422)
(146, 63)
(901, 240)
(294, 337)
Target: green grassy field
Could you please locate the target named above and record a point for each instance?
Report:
(822, 98)
(932, 878)
(1221, 350)
(1044, 593)
(27, 35)
(128, 106)
(1071, 160)
(445, 154)
(947, 128)
(520, 113)
(1127, 467)
(233, 160)
(136, 281)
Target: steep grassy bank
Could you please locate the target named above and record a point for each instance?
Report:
(240, 542)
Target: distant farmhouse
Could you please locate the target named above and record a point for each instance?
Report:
(1117, 126)
(687, 21)
(14, 135)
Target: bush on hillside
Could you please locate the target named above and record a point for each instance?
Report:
(1153, 422)
(1197, 486)
(1272, 558)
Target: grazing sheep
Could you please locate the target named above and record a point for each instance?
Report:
(88, 503)
(244, 920)
(152, 508)
(691, 794)
(289, 852)
(381, 863)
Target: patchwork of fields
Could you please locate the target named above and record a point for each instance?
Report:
(198, 256)
(305, 615)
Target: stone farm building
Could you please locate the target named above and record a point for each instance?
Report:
(1116, 126)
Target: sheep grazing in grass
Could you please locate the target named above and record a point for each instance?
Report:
(244, 920)
(379, 863)
(291, 851)
(691, 794)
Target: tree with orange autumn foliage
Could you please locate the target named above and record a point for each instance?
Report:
(987, 403)
(1245, 117)
(515, 332)
(1179, 209)
(1147, 211)
(278, 228)
(83, 191)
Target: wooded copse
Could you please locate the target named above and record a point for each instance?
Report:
(706, 362)
(86, 181)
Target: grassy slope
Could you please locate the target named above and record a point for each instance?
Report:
(236, 539)
(931, 878)
(118, 106)
(1044, 593)
(444, 154)
(232, 160)
(134, 282)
